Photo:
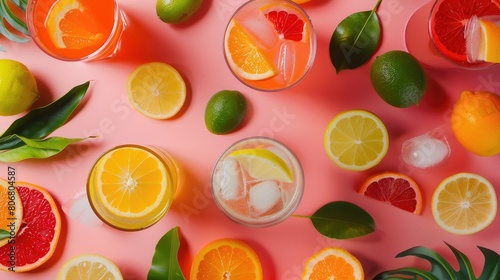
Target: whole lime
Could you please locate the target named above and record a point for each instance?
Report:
(225, 111)
(18, 88)
(398, 78)
(176, 11)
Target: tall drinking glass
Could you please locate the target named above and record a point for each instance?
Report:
(76, 30)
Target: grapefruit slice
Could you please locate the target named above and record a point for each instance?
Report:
(243, 55)
(394, 188)
(448, 20)
(226, 259)
(38, 232)
(333, 263)
(11, 210)
(287, 23)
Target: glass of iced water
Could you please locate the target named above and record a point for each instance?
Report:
(257, 182)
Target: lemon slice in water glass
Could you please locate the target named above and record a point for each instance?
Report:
(263, 164)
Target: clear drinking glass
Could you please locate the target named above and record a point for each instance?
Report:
(76, 30)
(257, 182)
(270, 45)
(119, 174)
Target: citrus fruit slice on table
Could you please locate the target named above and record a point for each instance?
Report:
(156, 90)
(448, 24)
(394, 188)
(333, 263)
(11, 210)
(38, 234)
(226, 259)
(263, 164)
(464, 203)
(356, 140)
(130, 187)
(246, 59)
(70, 24)
(89, 267)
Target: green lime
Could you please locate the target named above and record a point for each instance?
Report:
(18, 88)
(225, 111)
(176, 11)
(398, 78)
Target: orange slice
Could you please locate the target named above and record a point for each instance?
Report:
(243, 55)
(226, 259)
(89, 267)
(11, 210)
(38, 232)
(71, 26)
(333, 263)
(490, 40)
(464, 203)
(156, 90)
(395, 189)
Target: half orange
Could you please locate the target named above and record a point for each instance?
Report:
(226, 259)
(333, 263)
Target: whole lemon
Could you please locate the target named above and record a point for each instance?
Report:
(475, 121)
(18, 88)
(225, 111)
(176, 11)
(398, 78)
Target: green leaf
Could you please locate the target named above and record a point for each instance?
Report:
(7, 16)
(405, 273)
(355, 40)
(4, 234)
(465, 271)
(165, 264)
(342, 220)
(41, 121)
(491, 268)
(439, 266)
(36, 148)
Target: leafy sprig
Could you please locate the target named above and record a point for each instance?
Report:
(9, 17)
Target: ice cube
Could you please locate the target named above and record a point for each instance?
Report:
(229, 179)
(286, 61)
(472, 36)
(78, 208)
(264, 196)
(425, 151)
(261, 30)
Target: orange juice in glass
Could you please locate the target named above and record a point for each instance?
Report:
(270, 45)
(76, 30)
(131, 187)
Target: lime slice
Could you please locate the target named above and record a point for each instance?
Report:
(263, 164)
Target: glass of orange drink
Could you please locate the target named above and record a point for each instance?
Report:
(270, 45)
(76, 30)
(257, 182)
(131, 187)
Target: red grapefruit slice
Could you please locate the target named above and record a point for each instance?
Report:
(394, 188)
(38, 233)
(448, 21)
(287, 23)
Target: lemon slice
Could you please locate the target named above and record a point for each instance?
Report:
(263, 164)
(356, 140)
(156, 90)
(464, 203)
(89, 266)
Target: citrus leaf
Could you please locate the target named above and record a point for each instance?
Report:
(165, 264)
(36, 148)
(342, 220)
(355, 40)
(41, 121)
(4, 234)
(7, 16)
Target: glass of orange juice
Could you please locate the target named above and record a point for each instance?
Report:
(76, 30)
(270, 45)
(257, 182)
(131, 187)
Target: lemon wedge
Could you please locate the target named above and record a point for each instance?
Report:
(263, 164)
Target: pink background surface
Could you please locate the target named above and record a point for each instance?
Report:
(297, 117)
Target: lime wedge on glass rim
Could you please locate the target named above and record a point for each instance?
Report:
(263, 164)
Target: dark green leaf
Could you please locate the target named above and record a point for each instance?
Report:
(439, 266)
(406, 273)
(491, 269)
(465, 271)
(4, 234)
(36, 148)
(7, 16)
(165, 264)
(41, 121)
(342, 220)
